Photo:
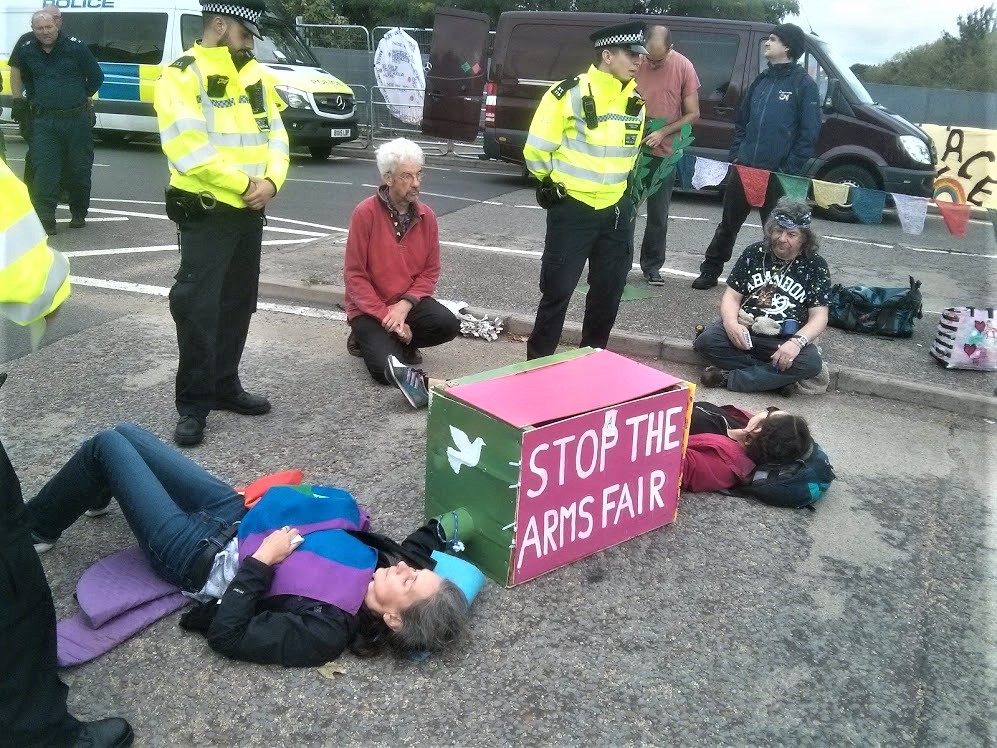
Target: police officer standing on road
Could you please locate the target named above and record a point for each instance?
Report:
(583, 141)
(19, 110)
(60, 75)
(228, 154)
(34, 281)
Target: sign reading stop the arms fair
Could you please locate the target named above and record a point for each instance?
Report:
(598, 479)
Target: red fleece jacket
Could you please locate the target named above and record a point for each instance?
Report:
(379, 270)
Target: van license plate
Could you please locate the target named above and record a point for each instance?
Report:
(342, 132)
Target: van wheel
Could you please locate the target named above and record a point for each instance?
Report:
(853, 176)
(110, 137)
(320, 152)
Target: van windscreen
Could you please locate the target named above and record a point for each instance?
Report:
(281, 46)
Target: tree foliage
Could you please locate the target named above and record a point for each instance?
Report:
(967, 62)
(419, 13)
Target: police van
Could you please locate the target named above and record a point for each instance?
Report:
(134, 39)
(861, 143)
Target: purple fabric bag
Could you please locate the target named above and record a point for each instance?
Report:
(119, 596)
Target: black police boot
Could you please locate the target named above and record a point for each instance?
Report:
(243, 403)
(50, 228)
(77, 221)
(112, 732)
(189, 431)
(704, 281)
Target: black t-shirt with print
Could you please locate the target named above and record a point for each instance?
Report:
(778, 290)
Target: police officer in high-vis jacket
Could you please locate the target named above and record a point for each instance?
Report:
(34, 281)
(220, 128)
(583, 141)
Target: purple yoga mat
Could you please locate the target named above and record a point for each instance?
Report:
(119, 596)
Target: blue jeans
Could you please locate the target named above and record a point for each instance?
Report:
(752, 371)
(173, 506)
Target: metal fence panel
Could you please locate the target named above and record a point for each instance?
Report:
(938, 106)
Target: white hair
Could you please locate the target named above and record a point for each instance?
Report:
(397, 151)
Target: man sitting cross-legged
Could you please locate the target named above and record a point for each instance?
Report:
(391, 269)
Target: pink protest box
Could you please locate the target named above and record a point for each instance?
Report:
(557, 459)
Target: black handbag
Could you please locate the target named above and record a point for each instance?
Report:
(877, 311)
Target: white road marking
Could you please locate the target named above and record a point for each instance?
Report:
(317, 181)
(132, 202)
(95, 220)
(165, 247)
(281, 230)
(307, 223)
(144, 288)
(160, 216)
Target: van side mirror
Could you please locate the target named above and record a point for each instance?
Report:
(831, 96)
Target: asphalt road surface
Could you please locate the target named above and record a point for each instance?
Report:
(867, 622)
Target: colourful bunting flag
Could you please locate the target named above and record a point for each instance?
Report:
(827, 194)
(755, 183)
(709, 172)
(956, 216)
(993, 219)
(867, 205)
(911, 212)
(795, 187)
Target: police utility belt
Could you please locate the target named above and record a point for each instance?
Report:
(40, 111)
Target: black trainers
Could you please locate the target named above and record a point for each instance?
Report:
(704, 281)
(77, 222)
(189, 431)
(412, 382)
(654, 278)
(352, 347)
(112, 732)
(714, 376)
(243, 403)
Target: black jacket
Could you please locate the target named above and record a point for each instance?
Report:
(291, 630)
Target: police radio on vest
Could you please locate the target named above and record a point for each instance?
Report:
(80, 3)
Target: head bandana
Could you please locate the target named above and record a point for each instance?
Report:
(787, 221)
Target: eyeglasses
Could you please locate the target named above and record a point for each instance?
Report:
(407, 177)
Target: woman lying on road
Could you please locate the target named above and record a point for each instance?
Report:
(727, 443)
(385, 596)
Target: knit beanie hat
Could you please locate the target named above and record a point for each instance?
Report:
(793, 37)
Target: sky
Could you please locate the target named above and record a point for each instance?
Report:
(872, 31)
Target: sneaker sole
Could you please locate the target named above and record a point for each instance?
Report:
(398, 384)
(97, 512)
(660, 282)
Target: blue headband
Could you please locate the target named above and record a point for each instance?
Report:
(788, 222)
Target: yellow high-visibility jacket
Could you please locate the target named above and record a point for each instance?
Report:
(593, 164)
(34, 279)
(219, 126)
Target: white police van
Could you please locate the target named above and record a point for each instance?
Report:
(134, 39)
